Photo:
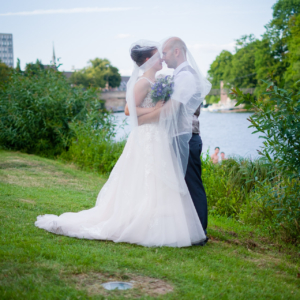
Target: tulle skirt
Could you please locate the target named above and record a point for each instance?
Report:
(145, 200)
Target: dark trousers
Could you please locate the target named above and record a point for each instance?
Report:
(194, 181)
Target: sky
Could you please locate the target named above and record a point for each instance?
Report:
(84, 30)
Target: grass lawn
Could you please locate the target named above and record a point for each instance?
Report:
(239, 262)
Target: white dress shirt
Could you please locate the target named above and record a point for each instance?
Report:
(184, 84)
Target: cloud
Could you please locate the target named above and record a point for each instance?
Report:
(69, 11)
(209, 47)
(123, 36)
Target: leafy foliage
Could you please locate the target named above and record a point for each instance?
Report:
(242, 71)
(97, 74)
(33, 68)
(210, 99)
(250, 191)
(218, 68)
(292, 73)
(228, 185)
(94, 147)
(277, 117)
(275, 56)
(35, 111)
(5, 72)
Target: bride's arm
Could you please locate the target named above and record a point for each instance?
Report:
(169, 108)
(140, 111)
(152, 117)
(141, 90)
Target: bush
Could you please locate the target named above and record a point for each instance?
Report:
(277, 117)
(229, 185)
(210, 99)
(250, 192)
(274, 205)
(94, 147)
(36, 109)
(5, 73)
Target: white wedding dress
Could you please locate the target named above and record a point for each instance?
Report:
(145, 200)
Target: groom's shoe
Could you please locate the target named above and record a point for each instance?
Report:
(202, 243)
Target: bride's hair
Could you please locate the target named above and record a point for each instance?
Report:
(140, 54)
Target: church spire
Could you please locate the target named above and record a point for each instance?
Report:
(53, 56)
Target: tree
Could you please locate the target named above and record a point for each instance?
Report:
(292, 74)
(5, 72)
(236, 69)
(242, 70)
(218, 68)
(275, 57)
(282, 12)
(36, 111)
(277, 118)
(273, 61)
(266, 66)
(97, 74)
(33, 68)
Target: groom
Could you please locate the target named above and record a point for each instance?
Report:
(174, 55)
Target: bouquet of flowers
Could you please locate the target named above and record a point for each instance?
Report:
(162, 89)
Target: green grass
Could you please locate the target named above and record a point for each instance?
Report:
(239, 262)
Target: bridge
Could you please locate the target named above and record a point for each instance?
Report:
(116, 100)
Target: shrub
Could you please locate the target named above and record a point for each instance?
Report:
(250, 192)
(277, 117)
(35, 111)
(5, 73)
(94, 147)
(229, 185)
(274, 205)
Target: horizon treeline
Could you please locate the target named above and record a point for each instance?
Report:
(275, 56)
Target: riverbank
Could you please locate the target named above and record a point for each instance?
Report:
(239, 262)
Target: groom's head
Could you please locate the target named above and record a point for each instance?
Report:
(174, 52)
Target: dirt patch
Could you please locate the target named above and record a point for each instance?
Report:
(27, 201)
(29, 174)
(233, 233)
(142, 285)
(16, 163)
(268, 261)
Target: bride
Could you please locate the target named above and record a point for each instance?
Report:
(145, 200)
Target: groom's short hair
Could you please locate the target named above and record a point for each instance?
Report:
(175, 42)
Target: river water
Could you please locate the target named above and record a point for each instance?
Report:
(229, 131)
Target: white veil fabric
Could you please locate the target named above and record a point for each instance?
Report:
(157, 152)
(176, 116)
(144, 45)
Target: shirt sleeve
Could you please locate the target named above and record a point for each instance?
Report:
(184, 87)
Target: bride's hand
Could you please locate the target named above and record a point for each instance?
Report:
(159, 104)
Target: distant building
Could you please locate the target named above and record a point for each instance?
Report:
(6, 49)
(68, 74)
(115, 98)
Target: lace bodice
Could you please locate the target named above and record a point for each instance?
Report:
(147, 102)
